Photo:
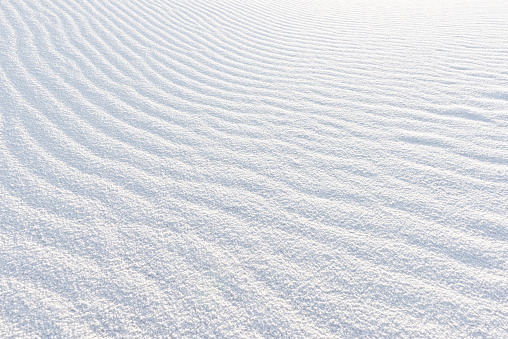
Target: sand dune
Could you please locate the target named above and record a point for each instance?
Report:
(249, 169)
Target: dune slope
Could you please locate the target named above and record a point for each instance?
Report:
(253, 169)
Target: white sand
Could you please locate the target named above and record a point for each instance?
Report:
(253, 168)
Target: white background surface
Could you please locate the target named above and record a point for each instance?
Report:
(277, 169)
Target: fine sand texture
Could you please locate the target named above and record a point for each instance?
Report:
(253, 169)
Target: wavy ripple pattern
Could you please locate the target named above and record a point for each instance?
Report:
(253, 169)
